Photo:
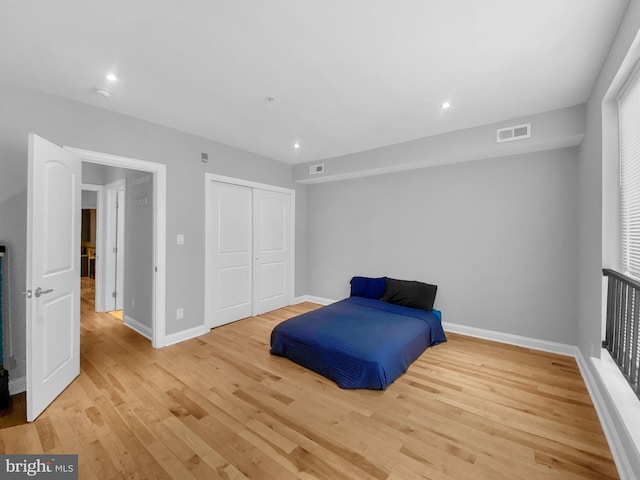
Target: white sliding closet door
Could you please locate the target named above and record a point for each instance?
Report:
(249, 251)
(230, 247)
(271, 248)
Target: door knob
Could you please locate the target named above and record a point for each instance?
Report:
(39, 291)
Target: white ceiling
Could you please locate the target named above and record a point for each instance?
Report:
(346, 75)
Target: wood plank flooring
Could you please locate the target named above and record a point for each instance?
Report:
(16, 413)
(221, 407)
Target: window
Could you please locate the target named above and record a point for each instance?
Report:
(622, 338)
(629, 128)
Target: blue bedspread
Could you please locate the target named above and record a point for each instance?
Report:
(358, 342)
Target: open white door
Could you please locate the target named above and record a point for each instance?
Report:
(272, 250)
(53, 273)
(114, 245)
(120, 251)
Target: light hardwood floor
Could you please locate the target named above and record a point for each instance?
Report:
(220, 407)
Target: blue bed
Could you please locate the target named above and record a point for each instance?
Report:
(358, 342)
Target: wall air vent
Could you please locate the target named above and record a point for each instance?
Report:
(516, 132)
(315, 169)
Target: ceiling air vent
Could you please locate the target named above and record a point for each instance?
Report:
(315, 169)
(516, 132)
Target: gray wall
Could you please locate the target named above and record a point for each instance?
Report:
(591, 187)
(595, 237)
(74, 124)
(89, 199)
(498, 237)
(137, 302)
(549, 131)
(13, 234)
(95, 174)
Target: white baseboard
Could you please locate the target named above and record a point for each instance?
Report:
(511, 339)
(136, 326)
(313, 299)
(534, 343)
(178, 337)
(17, 385)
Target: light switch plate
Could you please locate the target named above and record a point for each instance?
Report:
(180, 239)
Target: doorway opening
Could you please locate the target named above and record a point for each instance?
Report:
(103, 236)
(141, 186)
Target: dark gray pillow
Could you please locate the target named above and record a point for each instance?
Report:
(409, 293)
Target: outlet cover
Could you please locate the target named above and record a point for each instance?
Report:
(179, 313)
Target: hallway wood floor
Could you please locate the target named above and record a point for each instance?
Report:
(220, 407)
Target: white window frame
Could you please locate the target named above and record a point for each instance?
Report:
(629, 174)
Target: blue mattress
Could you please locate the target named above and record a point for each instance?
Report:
(358, 342)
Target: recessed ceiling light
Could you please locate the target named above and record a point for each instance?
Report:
(445, 105)
(296, 145)
(112, 78)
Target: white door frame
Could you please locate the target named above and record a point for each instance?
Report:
(159, 171)
(211, 177)
(99, 189)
